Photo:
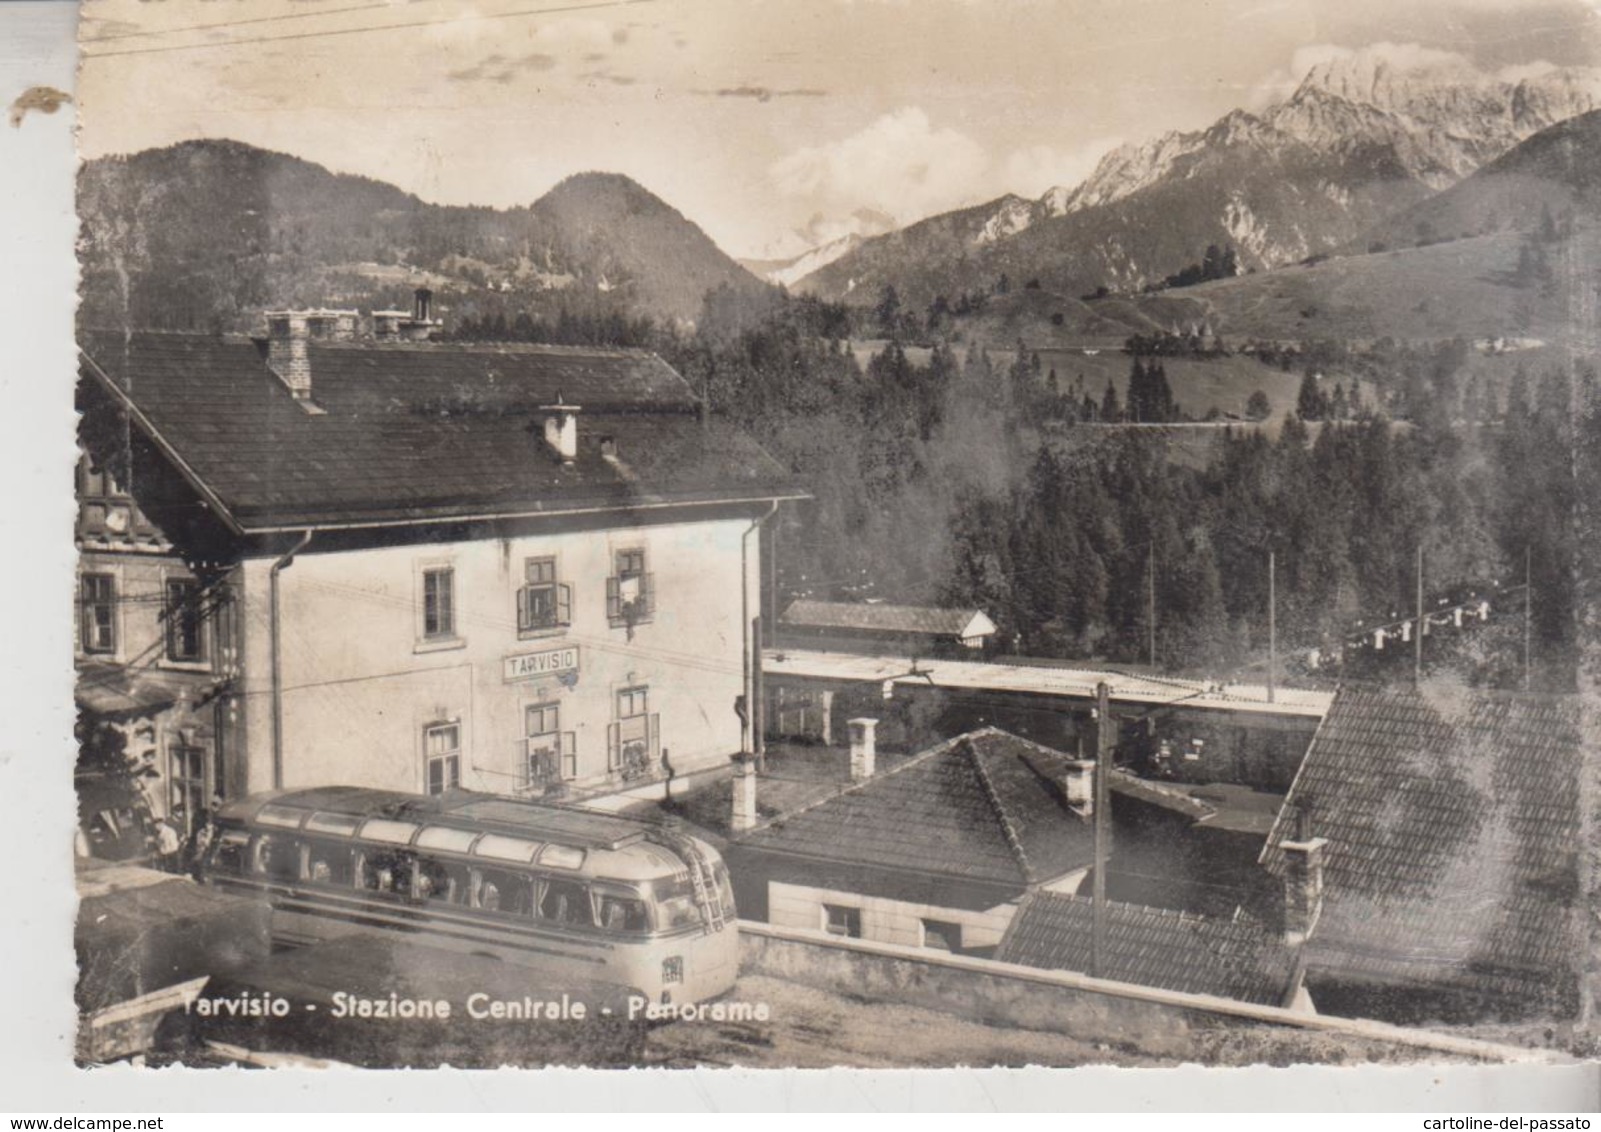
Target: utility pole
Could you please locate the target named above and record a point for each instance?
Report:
(1528, 622)
(1150, 599)
(1272, 623)
(1417, 635)
(1102, 822)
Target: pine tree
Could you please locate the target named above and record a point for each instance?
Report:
(1111, 409)
(1339, 408)
(1309, 404)
(888, 311)
(1161, 393)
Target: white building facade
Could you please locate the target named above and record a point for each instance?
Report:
(506, 664)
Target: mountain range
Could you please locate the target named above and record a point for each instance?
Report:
(205, 234)
(1358, 140)
(1360, 156)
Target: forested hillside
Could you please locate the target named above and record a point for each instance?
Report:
(948, 481)
(205, 234)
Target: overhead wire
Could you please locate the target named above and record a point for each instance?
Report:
(367, 29)
(312, 14)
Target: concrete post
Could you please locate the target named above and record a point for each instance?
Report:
(863, 748)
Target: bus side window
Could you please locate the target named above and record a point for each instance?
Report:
(510, 894)
(230, 854)
(277, 857)
(566, 902)
(329, 864)
(441, 882)
(386, 871)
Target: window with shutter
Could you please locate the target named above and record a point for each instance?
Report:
(630, 593)
(634, 741)
(551, 754)
(543, 604)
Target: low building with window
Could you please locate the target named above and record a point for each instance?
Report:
(935, 851)
(511, 568)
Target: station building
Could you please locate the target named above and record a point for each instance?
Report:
(415, 565)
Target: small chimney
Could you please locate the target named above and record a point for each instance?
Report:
(744, 813)
(863, 748)
(561, 429)
(288, 355)
(1303, 887)
(1079, 786)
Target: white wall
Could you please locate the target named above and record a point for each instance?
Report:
(883, 920)
(360, 684)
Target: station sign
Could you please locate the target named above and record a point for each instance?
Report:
(546, 662)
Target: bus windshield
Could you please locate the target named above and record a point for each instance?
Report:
(675, 903)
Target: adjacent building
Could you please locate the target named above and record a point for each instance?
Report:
(933, 852)
(416, 565)
(1172, 728)
(1445, 824)
(1235, 958)
(156, 648)
(913, 630)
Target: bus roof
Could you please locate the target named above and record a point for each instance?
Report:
(569, 825)
(514, 830)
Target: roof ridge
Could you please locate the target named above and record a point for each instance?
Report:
(480, 347)
(854, 787)
(1176, 914)
(883, 605)
(994, 797)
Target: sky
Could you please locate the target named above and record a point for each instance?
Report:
(773, 124)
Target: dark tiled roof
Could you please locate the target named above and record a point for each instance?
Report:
(877, 617)
(424, 430)
(1165, 795)
(1211, 805)
(1238, 959)
(1452, 822)
(982, 806)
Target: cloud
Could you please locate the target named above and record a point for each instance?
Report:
(1032, 170)
(1396, 57)
(1519, 72)
(822, 229)
(762, 93)
(900, 165)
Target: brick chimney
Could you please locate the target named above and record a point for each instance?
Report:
(288, 355)
(744, 813)
(1303, 887)
(863, 748)
(1078, 783)
(561, 429)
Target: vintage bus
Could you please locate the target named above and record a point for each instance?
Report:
(577, 895)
